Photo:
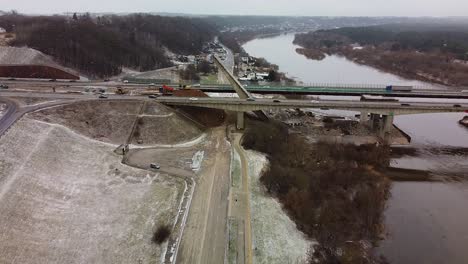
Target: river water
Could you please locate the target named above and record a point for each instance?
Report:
(333, 69)
(426, 222)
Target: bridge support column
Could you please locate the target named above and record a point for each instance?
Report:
(374, 122)
(364, 118)
(386, 127)
(240, 124)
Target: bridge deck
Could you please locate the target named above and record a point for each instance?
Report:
(397, 108)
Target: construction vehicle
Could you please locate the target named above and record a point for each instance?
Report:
(121, 90)
(166, 90)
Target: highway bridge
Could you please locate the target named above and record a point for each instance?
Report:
(247, 105)
(380, 119)
(339, 90)
(318, 89)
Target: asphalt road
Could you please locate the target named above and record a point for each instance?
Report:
(259, 104)
(229, 64)
(9, 117)
(14, 112)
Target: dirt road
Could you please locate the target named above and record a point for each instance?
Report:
(204, 238)
(246, 199)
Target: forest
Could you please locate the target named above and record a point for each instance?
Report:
(335, 193)
(433, 52)
(445, 37)
(99, 46)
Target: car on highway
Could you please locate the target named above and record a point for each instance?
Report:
(52, 80)
(405, 105)
(125, 81)
(11, 79)
(152, 96)
(103, 96)
(276, 101)
(106, 80)
(193, 99)
(456, 105)
(155, 166)
(3, 86)
(250, 99)
(72, 80)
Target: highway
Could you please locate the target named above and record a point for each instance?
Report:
(9, 116)
(303, 90)
(325, 89)
(235, 104)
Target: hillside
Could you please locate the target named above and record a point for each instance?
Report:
(22, 55)
(100, 46)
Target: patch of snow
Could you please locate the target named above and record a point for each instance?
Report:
(197, 160)
(274, 235)
(226, 95)
(23, 55)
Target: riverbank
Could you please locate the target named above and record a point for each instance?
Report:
(281, 51)
(428, 65)
(424, 219)
(335, 193)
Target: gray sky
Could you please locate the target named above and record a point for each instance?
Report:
(249, 7)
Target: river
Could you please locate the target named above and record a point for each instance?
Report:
(426, 222)
(333, 69)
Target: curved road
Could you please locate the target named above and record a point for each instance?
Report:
(9, 116)
(14, 112)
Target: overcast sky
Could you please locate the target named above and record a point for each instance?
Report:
(249, 7)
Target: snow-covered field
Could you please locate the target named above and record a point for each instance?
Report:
(67, 199)
(275, 238)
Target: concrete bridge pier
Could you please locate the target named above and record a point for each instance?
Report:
(364, 117)
(240, 124)
(386, 128)
(381, 125)
(374, 122)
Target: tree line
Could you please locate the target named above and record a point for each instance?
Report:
(100, 46)
(428, 37)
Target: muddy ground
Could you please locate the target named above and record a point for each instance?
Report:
(26, 101)
(113, 121)
(333, 129)
(165, 157)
